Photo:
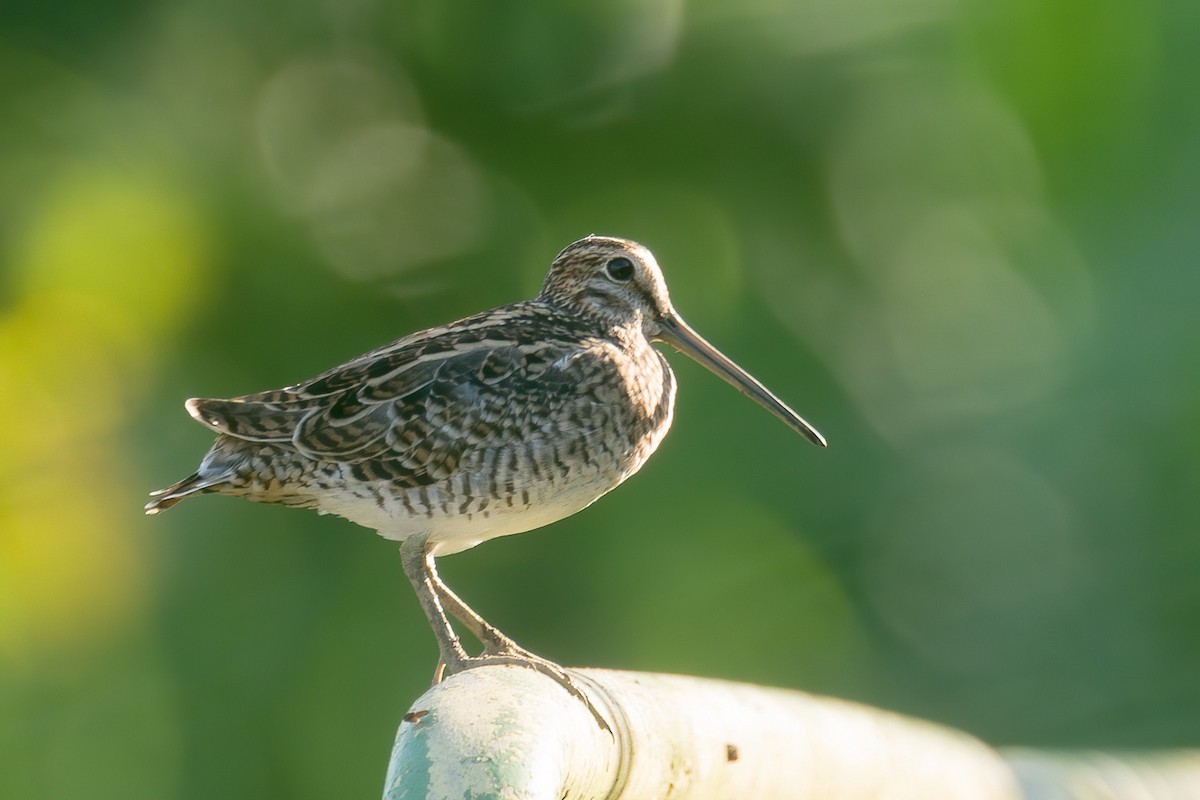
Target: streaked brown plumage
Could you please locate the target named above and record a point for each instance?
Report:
(493, 425)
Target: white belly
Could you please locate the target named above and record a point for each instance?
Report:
(398, 518)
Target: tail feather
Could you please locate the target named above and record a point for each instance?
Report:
(193, 484)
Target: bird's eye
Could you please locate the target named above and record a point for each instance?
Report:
(620, 269)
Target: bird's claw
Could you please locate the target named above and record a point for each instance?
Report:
(504, 651)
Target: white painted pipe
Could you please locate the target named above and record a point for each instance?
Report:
(509, 732)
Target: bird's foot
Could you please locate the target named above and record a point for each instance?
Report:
(505, 651)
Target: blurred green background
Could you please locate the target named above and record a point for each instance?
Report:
(960, 237)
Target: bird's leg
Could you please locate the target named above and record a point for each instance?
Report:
(418, 568)
(500, 649)
(494, 642)
(497, 648)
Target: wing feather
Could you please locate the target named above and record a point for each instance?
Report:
(402, 413)
(409, 411)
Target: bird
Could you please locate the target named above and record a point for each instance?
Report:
(497, 424)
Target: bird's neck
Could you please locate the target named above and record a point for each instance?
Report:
(600, 320)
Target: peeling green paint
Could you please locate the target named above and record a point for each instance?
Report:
(408, 770)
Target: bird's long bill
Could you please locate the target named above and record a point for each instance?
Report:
(676, 333)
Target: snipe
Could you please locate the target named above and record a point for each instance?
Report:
(496, 424)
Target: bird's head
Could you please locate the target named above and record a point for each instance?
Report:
(617, 282)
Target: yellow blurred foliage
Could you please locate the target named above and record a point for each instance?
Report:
(124, 251)
(69, 569)
(106, 269)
